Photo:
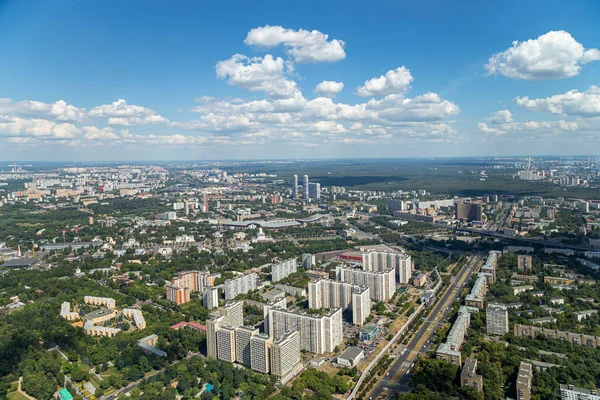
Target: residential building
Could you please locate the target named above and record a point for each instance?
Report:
(211, 298)
(285, 356)
(570, 392)
(212, 327)
(497, 319)
(291, 290)
(382, 285)
(521, 289)
(468, 211)
(226, 349)
(283, 269)
(96, 330)
(525, 263)
(66, 313)
(260, 346)
(326, 293)
(524, 380)
(489, 268)
(177, 294)
(100, 301)
(395, 205)
(308, 260)
(318, 333)
(380, 261)
(240, 285)
(233, 313)
(477, 295)
(361, 305)
(571, 337)
(450, 350)
(305, 187)
(136, 315)
(295, 189)
(314, 190)
(243, 335)
(469, 376)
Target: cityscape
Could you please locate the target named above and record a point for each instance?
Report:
(271, 200)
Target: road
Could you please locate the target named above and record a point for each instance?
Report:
(395, 380)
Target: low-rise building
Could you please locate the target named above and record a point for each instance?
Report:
(351, 357)
(469, 376)
(524, 380)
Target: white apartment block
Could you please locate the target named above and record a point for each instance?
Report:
(283, 269)
(570, 392)
(260, 346)
(212, 327)
(233, 313)
(496, 319)
(136, 315)
(226, 343)
(318, 333)
(379, 261)
(285, 356)
(326, 293)
(382, 285)
(100, 301)
(450, 350)
(243, 335)
(66, 313)
(240, 285)
(210, 299)
(95, 330)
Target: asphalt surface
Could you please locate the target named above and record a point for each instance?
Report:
(396, 379)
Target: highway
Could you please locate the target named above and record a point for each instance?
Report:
(395, 381)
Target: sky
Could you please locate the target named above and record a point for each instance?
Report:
(118, 80)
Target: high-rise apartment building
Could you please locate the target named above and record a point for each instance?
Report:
(211, 298)
(212, 327)
(308, 260)
(570, 392)
(243, 336)
(395, 205)
(260, 346)
(305, 187)
(283, 269)
(525, 263)
(382, 285)
(226, 343)
(314, 190)
(285, 356)
(524, 379)
(326, 293)
(497, 319)
(239, 285)
(233, 313)
(177, 294)
(186, 282)
(382, 260)
(295, 190)
(318, 333)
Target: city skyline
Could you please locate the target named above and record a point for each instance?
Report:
(207, 82)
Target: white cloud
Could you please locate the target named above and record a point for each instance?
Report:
(554, 55)
(571, 103)
(302, 45)
(59, 110)
(257, 74)
(329, 88)
(502, 122)
(501, 117)
(94, 133)
(15, 126)
(394, 81)
(121, 113)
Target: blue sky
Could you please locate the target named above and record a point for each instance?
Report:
(142, 80)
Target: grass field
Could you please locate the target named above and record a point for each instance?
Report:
(16, 396)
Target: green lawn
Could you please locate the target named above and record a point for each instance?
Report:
(15, 396)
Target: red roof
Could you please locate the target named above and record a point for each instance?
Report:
(179, 325)
(193, 325)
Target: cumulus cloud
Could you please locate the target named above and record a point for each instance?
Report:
(329, 88)
(95, 133)
(571, 103)
(502, 122)
(553, 55)
(15, 126)
(58, 110)
(301, 45)
(501, 117)
(121, 113)
(264, 74)
(394, 81)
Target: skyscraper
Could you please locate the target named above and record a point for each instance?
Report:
(314, 190)
(305, 187)
(295, 191)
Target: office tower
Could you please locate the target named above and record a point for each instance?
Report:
(176, 294)
(525, 263)
(226, 343)
(326, 293)
(295, 191)
(318, 333)
(361, 305)
(314, 190)
(468, 211)
(283, 269)
(211, 298)
(497, 319)
(305, 187)
(524, 379)
(285, 356)
(233, 313)
(240, 285)
(382, 260)
(382, 285)
(243, 335)
(212, 327)
(260, 346)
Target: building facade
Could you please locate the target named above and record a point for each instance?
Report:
(260, 347)
(326, 293)
(382, 285)
(283, 269)
(285, 356)
(496, 319)
(243, 336)
(240, 285)
(524, 379)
